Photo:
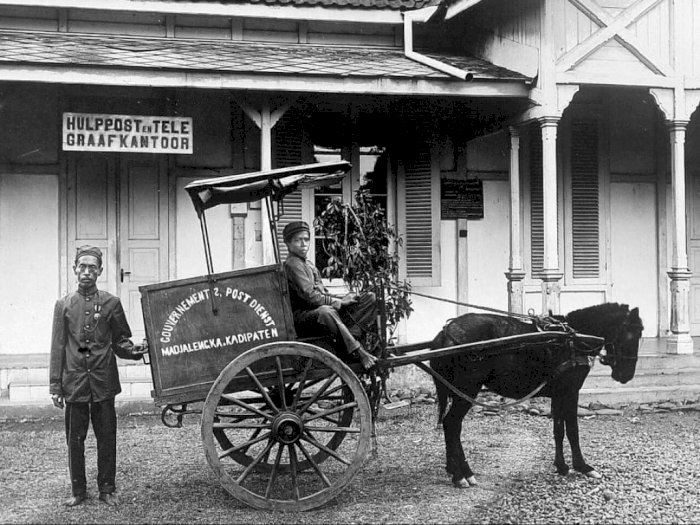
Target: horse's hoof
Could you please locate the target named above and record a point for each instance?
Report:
(593, 474)
(461, 483)
(472, 481)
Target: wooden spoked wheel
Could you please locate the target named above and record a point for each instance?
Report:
(286, 426)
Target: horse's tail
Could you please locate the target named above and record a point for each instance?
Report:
(441, 391)
(442, 397)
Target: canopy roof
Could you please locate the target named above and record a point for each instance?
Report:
(248, 187)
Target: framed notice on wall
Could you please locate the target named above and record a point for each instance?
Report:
(461, 198)
(127, 133)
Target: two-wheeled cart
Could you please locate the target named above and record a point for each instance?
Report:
(285, 424)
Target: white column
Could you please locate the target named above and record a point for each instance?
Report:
(515, 273)
(551, 274)
(266, 164)
(679, 342)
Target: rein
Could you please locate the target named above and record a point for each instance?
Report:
(469, 305)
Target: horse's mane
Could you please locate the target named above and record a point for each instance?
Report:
(601, 319)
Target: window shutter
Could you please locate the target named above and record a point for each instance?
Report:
(585, 223)
(536, 205)
(288, 152)
(421, 230)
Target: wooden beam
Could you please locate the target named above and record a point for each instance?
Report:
(611, 28)
(409, 354)
(266, 82)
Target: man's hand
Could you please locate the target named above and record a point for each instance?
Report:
(57, 401)
(139, 350)
(349, 299)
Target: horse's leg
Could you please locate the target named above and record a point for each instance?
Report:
(559, 430)
(457, 465)
(571, 419)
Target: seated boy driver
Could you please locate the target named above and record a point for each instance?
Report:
(316, 311)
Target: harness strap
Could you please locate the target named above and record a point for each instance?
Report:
(472, 400)
(573, 361)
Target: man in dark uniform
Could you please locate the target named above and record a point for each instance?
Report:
(315, 309)
(89, 328)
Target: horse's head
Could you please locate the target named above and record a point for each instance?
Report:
(622, 349)
(621, 328)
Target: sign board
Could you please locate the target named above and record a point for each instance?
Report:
(195, 327)
(126, 133)
(461, 198)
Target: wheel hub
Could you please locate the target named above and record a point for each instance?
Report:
(287, 428)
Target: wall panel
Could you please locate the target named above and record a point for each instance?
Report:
(28, 261)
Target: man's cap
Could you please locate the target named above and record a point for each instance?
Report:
(291, 229)
(87, 249)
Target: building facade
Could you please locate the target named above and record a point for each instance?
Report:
(573, 119)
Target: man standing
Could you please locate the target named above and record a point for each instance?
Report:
(89, 328)
(345, 318)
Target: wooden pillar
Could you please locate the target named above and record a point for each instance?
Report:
(679, 341)
(551, 274)
(265, 119)
(515, 273)
(266, 164)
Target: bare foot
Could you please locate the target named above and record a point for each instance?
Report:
(367, 359)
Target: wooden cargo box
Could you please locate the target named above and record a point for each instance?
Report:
(195, 327)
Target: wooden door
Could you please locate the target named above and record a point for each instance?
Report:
(143, 231)
(694, 249)
(120, 204)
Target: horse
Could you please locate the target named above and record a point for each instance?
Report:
(517, 373)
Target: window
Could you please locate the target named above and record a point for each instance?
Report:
(322, 197)
(419, 216)
(582, 234)
(288, 144)
(585, 206)
(374, 172)
(536, 204)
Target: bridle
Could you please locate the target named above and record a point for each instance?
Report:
(612, 355)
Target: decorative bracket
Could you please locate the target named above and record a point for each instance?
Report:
(664, 98)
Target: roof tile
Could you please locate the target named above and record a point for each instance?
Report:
(60, 49)
(371, 4)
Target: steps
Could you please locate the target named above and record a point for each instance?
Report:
(658, 377)
(29, 383)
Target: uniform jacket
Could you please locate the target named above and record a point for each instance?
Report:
(306, 290)
(92, 321)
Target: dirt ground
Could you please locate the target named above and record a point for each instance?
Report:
(649, 462)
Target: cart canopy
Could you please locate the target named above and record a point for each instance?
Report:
(248, 187)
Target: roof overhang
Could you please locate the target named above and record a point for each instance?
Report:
(459, 6)
(177, 63)
(236, 10)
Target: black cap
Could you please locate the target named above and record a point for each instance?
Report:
(291, 229)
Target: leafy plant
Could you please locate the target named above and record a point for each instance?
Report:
(358, 243)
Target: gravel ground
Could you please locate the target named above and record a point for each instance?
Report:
(649, 462)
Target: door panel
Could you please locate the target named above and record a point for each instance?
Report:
(694, 251)
(92, 214)
(143, 231)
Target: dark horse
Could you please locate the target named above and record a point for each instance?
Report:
(515, 374)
